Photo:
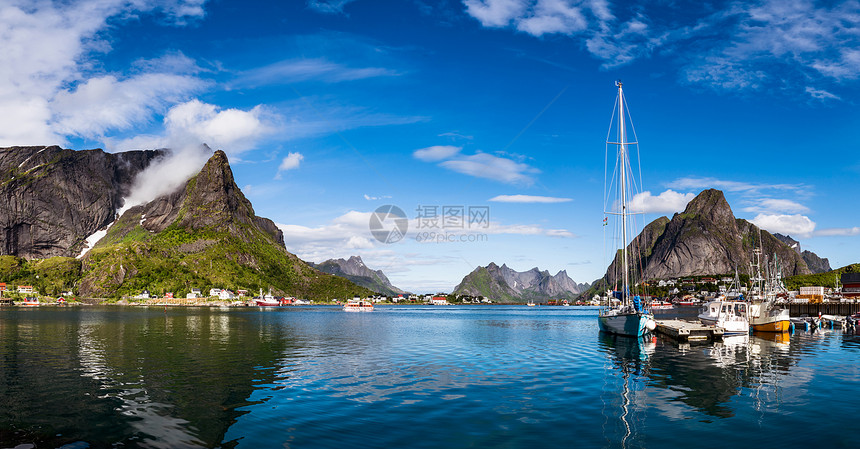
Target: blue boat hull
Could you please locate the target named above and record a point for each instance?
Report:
(631, 325)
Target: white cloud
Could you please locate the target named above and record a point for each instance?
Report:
(797, 224)
(436, 153)
(773, 205)
(328, 6)
(290, 162)
(495, 13)
(694, 183)
(317, 69)
(374, 198)
(666, 202)
(483, 165)
(819, 94)
(108, 103)
(838, 232)
(47, 49)
(528, 199)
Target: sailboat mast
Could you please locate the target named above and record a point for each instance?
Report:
(625, 285)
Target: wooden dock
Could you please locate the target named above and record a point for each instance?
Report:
(688, 330)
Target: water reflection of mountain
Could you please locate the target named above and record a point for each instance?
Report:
(149, 378)
(706, 376)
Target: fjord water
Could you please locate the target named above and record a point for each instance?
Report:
(408, 376)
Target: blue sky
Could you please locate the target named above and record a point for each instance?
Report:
(331, 109)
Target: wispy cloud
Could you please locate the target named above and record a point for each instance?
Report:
(436, 153)
(481, 165)
(694, 183)
(799, 45)
(832, 232)
(328, 6)
(528, 199)
(315, 69)
(374, 198)
(773, 205)
(487, 166)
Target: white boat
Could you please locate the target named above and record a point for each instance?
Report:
(728, 314)
(661, 305)
(358, 305)
(628, 317)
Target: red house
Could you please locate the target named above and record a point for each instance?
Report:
(851, 285)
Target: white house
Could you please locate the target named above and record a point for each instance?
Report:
(215, 292)
(143, 295)
(195, 293)
(439, 301)
(225, 294)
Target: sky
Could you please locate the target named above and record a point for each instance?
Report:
(433, 137)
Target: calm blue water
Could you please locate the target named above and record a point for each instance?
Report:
(400, 376)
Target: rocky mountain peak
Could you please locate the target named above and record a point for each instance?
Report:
(712, 205)
(211, 199)
(356, 271)
(508, 285)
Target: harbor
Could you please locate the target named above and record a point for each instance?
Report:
(684, 330)
(497, 376)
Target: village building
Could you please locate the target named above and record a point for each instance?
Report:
(851, 285)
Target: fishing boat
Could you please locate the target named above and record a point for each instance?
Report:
(764, 314)
(626, 316)
(358, 305)
(530, 303)
(267, 301)
(29, 302)
(731, 315)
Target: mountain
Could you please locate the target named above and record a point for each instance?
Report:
(504, 284)
(816, 264)
(203, 235)
(706, 239)
(356, 271)
(54, 198)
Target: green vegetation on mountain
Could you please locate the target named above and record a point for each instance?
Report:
(51, 276)
(827, 280)
(203, 236)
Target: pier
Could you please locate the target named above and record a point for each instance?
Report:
(688, 330)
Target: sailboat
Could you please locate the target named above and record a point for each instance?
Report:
(627, 316)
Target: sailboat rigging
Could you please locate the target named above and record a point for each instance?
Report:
(628, 316)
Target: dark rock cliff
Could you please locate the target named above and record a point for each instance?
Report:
(706, 239)
(54, 198)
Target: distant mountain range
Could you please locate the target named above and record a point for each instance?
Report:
(356, 271)
(503, 284)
